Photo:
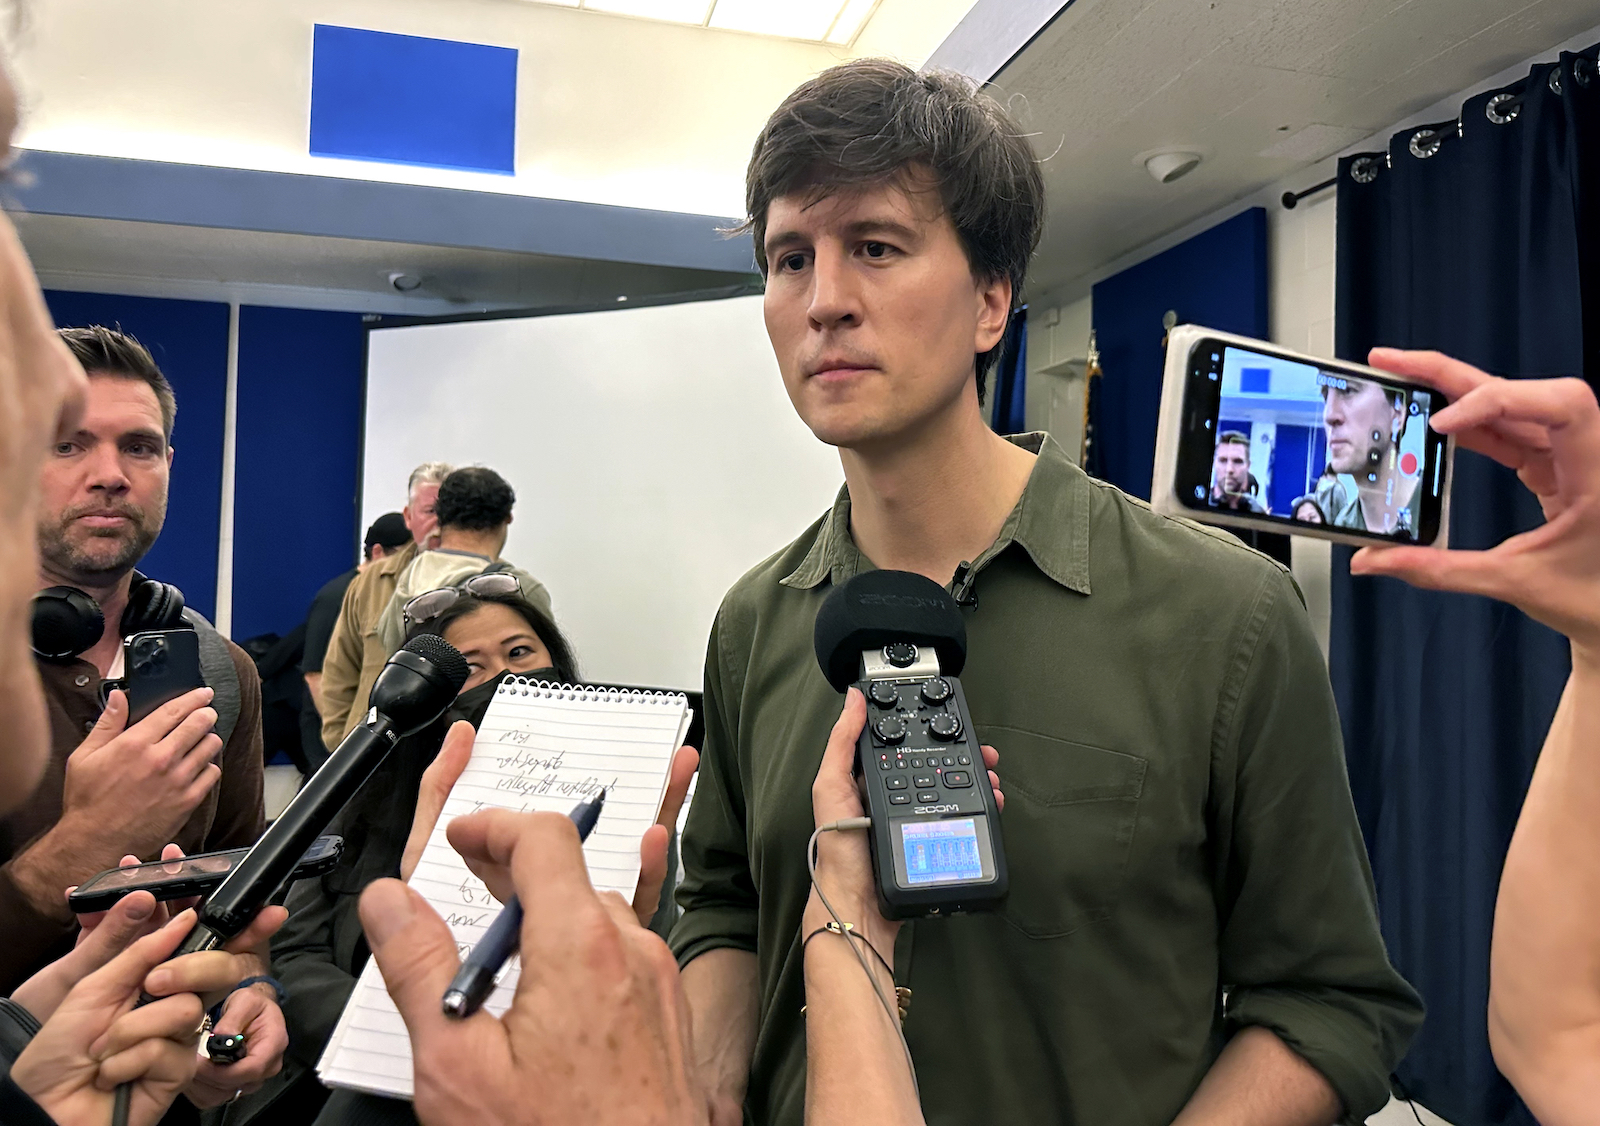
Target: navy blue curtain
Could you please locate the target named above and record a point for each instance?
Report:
(1476, 237)
(1010, 377)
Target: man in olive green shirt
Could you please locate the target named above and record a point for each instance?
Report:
(1190, 934)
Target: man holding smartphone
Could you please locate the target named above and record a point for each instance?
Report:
(1190, 934)
(113, 789)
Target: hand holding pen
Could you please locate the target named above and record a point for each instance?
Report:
(586, 964)
(474, 981)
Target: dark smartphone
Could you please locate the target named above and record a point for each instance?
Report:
(158, 666)
(188, 876)
(1253, 435)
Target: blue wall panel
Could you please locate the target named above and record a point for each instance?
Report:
(410, 100)
(189, 340)
(296, 462)
(1218, 279)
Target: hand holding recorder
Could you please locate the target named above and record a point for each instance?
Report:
(1548, 430)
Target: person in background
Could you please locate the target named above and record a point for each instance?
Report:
(1190, 934)
(474, 510)
(387, 535)
(1544, 983)
(353, 655)
(189, 773)
(320, 951)
(1231, 483)
(1306, 510)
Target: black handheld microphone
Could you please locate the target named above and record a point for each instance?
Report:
(935, 836)
(411, 691)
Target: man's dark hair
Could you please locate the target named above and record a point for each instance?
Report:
(108, 351)
(1234, 438)
(873, 121)
(474, 499)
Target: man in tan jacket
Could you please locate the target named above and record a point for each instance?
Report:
(354, 652)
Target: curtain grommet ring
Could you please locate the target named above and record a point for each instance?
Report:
(1425, 143)
(1555, 80)
(1364, 170)
(1503, 108)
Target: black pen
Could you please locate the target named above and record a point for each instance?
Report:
(474, 981)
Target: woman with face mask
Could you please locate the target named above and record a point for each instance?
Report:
(321, 950)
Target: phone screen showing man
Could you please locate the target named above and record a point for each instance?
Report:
(1307, 445)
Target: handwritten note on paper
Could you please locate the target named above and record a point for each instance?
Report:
(538, 748)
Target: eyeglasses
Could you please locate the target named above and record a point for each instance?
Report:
(431, 604)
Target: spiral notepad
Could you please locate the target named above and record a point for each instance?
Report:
(540, 747)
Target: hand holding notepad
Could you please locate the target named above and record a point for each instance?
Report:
(539, 747)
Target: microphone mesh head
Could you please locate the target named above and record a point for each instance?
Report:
(450, 663)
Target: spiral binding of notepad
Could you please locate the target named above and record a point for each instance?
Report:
(554, 690)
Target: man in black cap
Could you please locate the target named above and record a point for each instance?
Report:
(387, 535)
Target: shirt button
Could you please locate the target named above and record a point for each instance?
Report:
(82, 679)
(88, 725)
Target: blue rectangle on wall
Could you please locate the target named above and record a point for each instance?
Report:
(1255, 381)
(189, 341)
(409, 100)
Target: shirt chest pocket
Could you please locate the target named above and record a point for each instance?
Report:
(1071, 811)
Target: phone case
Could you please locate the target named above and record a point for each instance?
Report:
(1181, 342)
(318, 860)
(158, 666)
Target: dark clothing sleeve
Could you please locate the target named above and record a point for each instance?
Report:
(304, 960)
(320, 620)
(17, 1027)
(1294, 892)
(241, 816)
(718, 895)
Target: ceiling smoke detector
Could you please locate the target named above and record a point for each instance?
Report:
(404, 283)
(1165, 167)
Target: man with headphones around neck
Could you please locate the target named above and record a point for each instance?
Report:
(190, 773)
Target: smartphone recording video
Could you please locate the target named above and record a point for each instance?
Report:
(1256, 436)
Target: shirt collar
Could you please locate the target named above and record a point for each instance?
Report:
(1050, 521)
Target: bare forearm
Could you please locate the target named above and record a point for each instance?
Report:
(856, 1070)
(1544, 1000)
(314, 687)
(22, 715)
(1258, 1080)
(721, 988)
(61, 858)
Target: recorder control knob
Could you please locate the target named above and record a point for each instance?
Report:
(884, 694)
(902, 654)
(945, 725)
(891, 729)
(936, 691)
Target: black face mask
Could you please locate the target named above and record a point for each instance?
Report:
(474, 702)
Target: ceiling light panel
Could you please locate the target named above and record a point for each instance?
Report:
(849, 21)
(675, 11)
(794, 19)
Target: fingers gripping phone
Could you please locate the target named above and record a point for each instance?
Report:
(158, 666)
(1252, 435)
(188, 876)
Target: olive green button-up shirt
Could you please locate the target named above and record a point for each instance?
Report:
(1184, 855)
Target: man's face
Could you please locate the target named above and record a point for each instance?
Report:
(1230, 468)
(874, 313)
(419, 517)
(1358, 419)
(104, 494)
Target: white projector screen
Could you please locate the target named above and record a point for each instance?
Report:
(654, 453)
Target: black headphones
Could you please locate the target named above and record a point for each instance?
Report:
(67, 621)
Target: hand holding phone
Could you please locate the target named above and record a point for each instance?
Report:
(131, 787)
(1548, 430)
(1256, 436)
(184, 877)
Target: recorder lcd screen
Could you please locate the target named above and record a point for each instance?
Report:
(941, 851)
(1314, 446)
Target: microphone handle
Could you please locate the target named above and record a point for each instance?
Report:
(258, 876)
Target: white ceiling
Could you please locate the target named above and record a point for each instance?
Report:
(1261, 88)
(162, 260)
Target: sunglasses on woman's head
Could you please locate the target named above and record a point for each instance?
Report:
(430, 604)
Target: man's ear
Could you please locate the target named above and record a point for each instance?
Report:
(994, 313)
(170, 452)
